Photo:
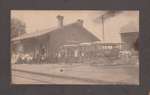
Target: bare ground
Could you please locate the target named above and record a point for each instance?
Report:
(75, 74)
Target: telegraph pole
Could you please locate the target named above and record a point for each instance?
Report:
(103, 34)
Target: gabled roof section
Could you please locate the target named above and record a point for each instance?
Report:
(46, 31)
(34, 34)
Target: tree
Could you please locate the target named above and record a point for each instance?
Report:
(17, 27)
(136, 44)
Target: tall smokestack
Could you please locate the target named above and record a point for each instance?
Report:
(60, 20)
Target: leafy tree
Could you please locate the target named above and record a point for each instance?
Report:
(17, 27)
(136, 44)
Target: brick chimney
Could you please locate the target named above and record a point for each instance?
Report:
(60, 21)
(80, 22)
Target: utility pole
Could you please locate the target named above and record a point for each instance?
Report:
(103, 34)
(105, 16)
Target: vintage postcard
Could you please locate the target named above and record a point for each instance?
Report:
(75, 47)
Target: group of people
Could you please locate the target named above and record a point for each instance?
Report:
(21, 58)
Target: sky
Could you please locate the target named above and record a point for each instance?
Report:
(37, 20)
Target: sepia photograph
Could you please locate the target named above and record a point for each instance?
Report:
(96, 47)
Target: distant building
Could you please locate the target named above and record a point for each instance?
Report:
(129, 35)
